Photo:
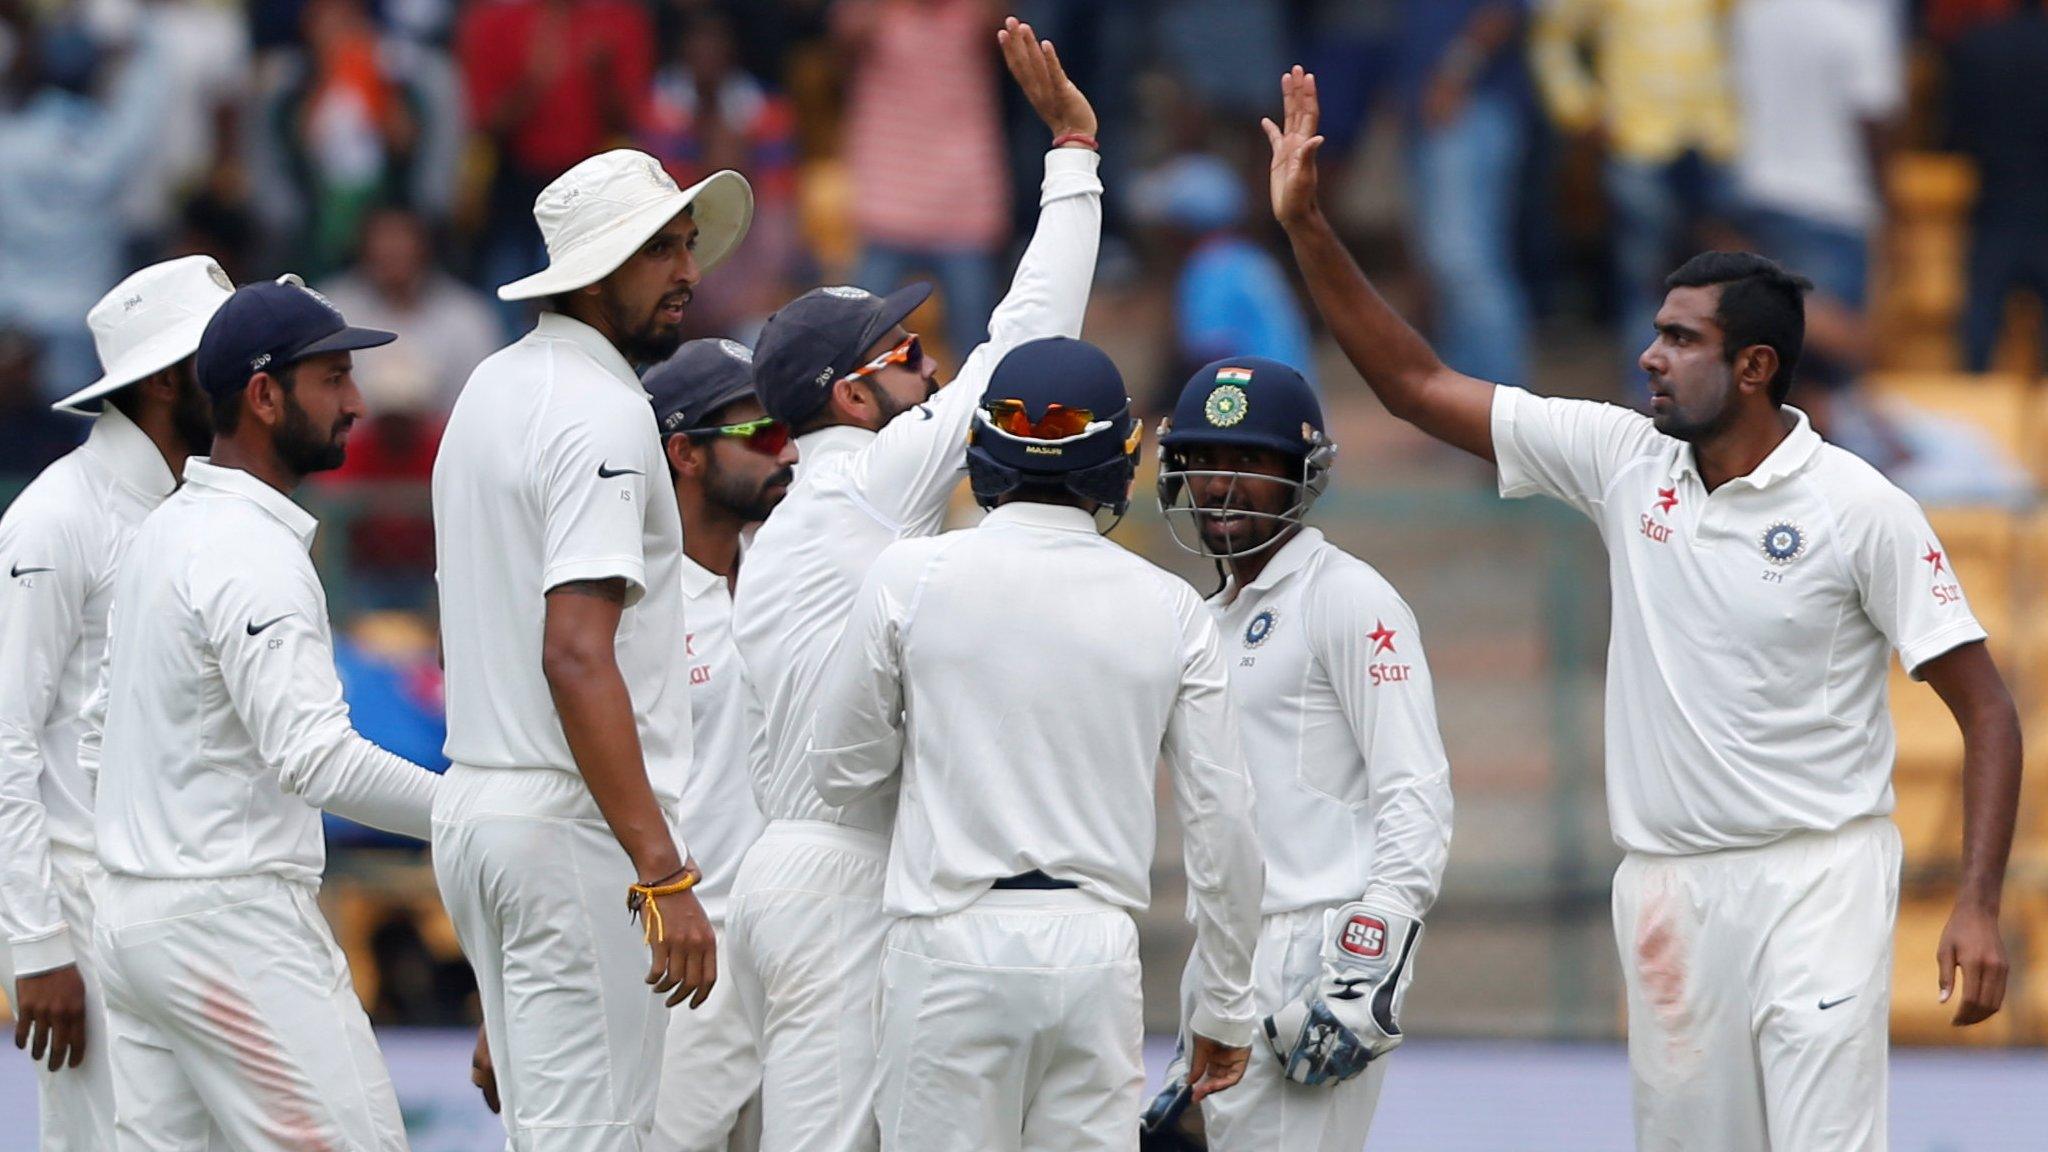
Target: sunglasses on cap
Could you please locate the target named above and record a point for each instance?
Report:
(768, 436)
(910, 352)
(1058, 422)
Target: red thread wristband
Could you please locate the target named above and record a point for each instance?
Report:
(1081, 138)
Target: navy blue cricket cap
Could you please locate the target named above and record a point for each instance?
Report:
(1251, 401)
(820, 337)
(270, 324)
(701, 378)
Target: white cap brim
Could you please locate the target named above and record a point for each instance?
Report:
(722, 204)
(159, 353)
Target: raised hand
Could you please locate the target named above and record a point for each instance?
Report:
(1293, 175)
(1036, 66)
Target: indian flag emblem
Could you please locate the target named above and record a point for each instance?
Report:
(1227, 403)
(1233, 375)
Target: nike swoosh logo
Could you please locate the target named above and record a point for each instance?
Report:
(18, 570)
(605, 472)
(1827, 1004)
(254, 627)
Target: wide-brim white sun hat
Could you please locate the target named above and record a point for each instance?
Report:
(596, 215)
(148, 322)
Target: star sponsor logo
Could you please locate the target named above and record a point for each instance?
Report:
(1667, 499)
(1943, 588)
(1385, 672)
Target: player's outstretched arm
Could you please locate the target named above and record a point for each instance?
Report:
(1395, 360)
(579, 659)
(1968, 682)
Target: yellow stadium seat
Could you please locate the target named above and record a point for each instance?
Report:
(1998, 405)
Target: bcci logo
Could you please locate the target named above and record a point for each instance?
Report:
(1226, 405)
(1260, 629)
(1365, 936)
(1783, 542)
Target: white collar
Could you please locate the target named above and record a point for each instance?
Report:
(130, 454)
(1032, 514)
(201, 472)
(569, 330)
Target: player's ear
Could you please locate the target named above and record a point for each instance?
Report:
(850, 399)
(1755, 367)
(684, 456)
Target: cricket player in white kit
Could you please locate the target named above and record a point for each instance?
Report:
(1340, 734)
(1018, 684)
(880, 450)
(233, 1018)
(731, 464)
(560, 557)
(62, 539)
(1761, 579)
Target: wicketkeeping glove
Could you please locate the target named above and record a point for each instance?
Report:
(1348, 1017)
(1159, 1128)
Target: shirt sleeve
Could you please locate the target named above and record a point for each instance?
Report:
(1213, 793)
(598, 470)
(857, 735)
(1567, 449)
(1909, 585)
(42, 614)
(910, 470)
(1367, 640)
(270, 632)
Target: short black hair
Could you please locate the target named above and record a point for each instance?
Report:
(1761, 303)
(227, 406)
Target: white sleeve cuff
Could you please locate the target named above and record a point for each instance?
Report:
(1229, 1033)
(1070, 172)
(1941, 643)
(42, 953)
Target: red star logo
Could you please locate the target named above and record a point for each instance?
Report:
(1933, 557)
(1667, 498)
(1382, 638)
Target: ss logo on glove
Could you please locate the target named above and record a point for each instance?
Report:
(1365, 936)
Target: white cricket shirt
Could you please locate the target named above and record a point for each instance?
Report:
(60, 541)
(1340, 732)
(857, 491)
(1022, 680)
(550, 471)
(1746, 668)
(225, 732)
(717, 812)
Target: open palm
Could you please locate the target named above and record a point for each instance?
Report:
(1293, 174)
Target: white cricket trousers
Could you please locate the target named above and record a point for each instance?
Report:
(804, 931)
(1013, 1025)
(710, 1073)
(235, 1023)
(1265, 1111)
(1759, 992)
(535, 885)
(76, 1104)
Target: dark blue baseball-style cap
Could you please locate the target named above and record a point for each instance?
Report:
(270, 324)
(701, 378)
(818, 338)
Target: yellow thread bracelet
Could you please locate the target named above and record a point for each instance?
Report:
(640, 898)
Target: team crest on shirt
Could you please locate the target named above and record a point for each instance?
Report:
(1260, 629)
(1783, 542)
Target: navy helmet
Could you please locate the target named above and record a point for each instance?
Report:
(1245, 402)
(1054, 415)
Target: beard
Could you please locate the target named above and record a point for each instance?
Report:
(748, 503)
(305, 449)
(1695, 423)
(192, 416)
(650, 340)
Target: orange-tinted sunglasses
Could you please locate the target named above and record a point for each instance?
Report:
(910, 352)
(1059, 422)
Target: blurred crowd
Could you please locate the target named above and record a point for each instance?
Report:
(1546, 159)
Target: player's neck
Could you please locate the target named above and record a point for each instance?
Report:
(1245, 569)
(258, 460)
(711, 537)
(1738, 449)
(157, 424)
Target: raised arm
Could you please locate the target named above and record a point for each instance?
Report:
(1397, 363)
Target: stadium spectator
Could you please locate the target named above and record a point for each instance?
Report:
(1998, 116)
(66, 158)
(931, 190)
(548, 83)
(706, 113)
(396, 285)
(1463, 91)
(1231, 297)
(32, 435)
(205, 84)
(1656, 100)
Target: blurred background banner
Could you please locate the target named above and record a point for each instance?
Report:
(1517, 175)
